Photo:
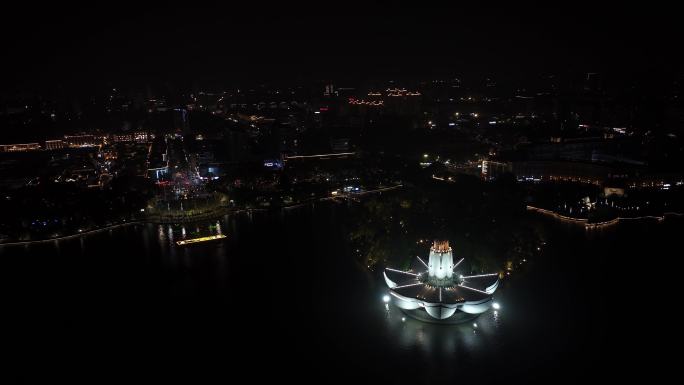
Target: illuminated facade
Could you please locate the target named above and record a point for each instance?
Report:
(19, 147)
(133, 137)
(364, 102)
(56, 144)
(436, 287)
(81, 140)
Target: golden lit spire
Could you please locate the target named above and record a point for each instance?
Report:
(441, 246)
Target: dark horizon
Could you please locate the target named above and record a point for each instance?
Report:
(77, 47)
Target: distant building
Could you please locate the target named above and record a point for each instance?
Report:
(19, 147)
(80, 140)
(345, 92)
(340, 144)
(594, 149)
(132, 137)
(329, 90)
(157, 172)
(561, 171)
(491, 169)
(56, 144)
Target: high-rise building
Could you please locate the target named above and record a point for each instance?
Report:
(329, 90)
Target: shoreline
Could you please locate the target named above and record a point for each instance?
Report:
(72, 236)
(597, 225)
(219, 213)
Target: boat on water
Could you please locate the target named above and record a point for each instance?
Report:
(192, 241)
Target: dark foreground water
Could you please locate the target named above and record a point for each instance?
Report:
(282, 300)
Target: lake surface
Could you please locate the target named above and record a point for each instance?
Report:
(282, 299)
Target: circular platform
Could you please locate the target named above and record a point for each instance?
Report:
(456, 319)
(436, 292)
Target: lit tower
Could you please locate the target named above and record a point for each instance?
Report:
(441, 262)
(437, 288)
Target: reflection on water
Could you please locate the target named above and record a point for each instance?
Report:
(442, 339)
(160, 234)
(289, 279)
(406, 333)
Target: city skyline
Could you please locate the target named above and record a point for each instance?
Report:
(340, 193)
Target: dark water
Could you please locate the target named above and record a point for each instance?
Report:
(282, 300)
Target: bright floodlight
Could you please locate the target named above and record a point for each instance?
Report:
(438, 288)
(496, 306)
(385, 298)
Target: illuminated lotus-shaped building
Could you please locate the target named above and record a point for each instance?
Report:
(437, 288)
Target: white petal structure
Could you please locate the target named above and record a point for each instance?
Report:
(441, 262)
(435, 286)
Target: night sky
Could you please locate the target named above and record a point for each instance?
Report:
(76, 46)
(104, 148)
